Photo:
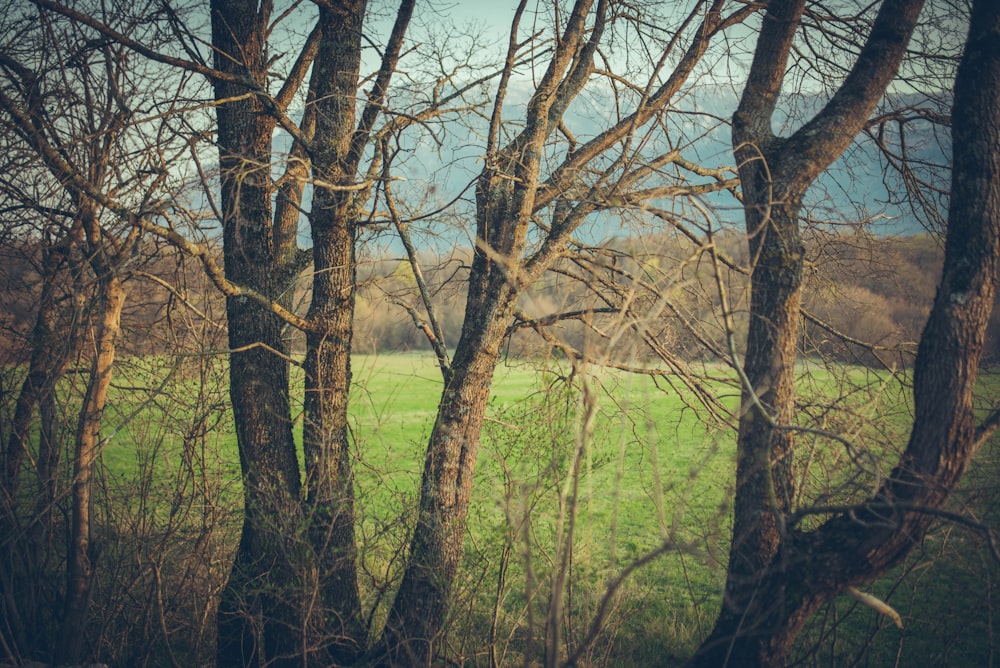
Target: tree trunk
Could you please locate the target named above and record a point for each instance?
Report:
(763, 609)
(258, 617)
(80, 561)
(49, 450)
(259, 612)
(262, 580)
(329, 471)
(28, 541)
(52, 346)
(326, 439)
(505, 200)
(418, 615)
(339, 143)
(764, 481)
(944, 435)
(760, 633)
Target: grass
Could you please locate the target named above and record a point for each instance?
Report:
(654, 468)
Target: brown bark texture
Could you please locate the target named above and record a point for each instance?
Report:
(421, 606)
(326, 439)
(505, 198)
(259, 618)
(80, 560)
(53, 342)
(85, 248)
(308, 532)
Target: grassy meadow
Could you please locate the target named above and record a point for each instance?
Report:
(623, 463)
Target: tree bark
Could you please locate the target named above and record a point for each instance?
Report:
(261, 255)
(339, 143)
(52, 346)
(508, 194)
(417, 618)
(756, 626)
(505, 197)
(56, 341)
(328, 459)
(855, 547)
(329, 470)
(80, 567)
(944, 434)
(259, 614)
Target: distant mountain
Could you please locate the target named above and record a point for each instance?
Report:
(440, 171)
(859, 186)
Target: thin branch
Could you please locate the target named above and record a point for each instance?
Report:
(986, 429)
(603, 608)
(871, 347)
(138, 47)
(523, 320)
(434, 333)
(376, 98)
(180, 297)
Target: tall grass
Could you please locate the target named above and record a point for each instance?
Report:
(582, 472)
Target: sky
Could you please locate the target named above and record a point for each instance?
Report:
(498, 13)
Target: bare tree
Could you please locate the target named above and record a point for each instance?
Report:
(293, 589)
(332, 141)
(779, 574)
(260, 615)
(515, 189)
(66, 99)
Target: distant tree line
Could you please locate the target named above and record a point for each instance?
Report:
(866, 300)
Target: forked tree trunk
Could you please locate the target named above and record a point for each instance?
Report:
(80, 560)
(321, 615)
(51, 351)
(764, 611)
(507, 198)
(55, 341)
(504, 196)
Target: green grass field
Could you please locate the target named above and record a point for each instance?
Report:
(654, 468)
